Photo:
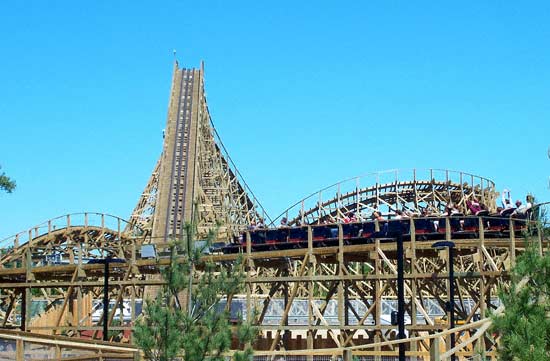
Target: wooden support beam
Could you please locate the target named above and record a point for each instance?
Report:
(284, 317)
(68, 294)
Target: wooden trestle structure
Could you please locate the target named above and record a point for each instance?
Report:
(310, 298)
(194, 178)
(330, 296)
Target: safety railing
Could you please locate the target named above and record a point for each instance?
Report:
(19, 346)
(57, 224)
(364, 194)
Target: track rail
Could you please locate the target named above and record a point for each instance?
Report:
(100, 221)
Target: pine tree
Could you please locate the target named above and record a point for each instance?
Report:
(203, 330)
(525, 325)
(6, 183)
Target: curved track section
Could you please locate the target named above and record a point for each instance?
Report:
(40, 267)
(81, 235)
(415, 190)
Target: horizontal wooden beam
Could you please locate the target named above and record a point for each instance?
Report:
(64, 341)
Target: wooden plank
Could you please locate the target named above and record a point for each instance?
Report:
(66, 299)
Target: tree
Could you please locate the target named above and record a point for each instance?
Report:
(6, 183)
(525, 325)
(203, 330)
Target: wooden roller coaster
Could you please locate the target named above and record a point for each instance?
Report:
(320, 286)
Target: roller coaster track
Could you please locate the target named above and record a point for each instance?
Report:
(57, 234)
(54, 250)
(341, 287)
(414, 194)
(194, 178)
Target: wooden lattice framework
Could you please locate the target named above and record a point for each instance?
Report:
(357, 281)
(194, 179)
(368, 273)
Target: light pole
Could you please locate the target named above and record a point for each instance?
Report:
(105, 261)
(451, 303)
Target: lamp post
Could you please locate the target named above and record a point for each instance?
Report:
(105, 261)
(451, 303)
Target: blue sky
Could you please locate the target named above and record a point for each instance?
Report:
(303, 94)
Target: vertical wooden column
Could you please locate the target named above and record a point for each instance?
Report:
(27, 292)
(78, 309)
(483, 283)
(341, 299)
(448, 288)
(512, 243)
(447, 229)
(311, 290)
(434, 350)
(410, 253)
(377, 294)
(133, 288)
(286, 332)
(71, 301)
(377, 299)
(539, 239)
(79, 295)
(19, 350)
(248, 265)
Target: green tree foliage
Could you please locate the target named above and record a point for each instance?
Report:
(203, 329)
(6, 183)
(525, 325)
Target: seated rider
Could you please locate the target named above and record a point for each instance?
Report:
(261, 223)
(346, 219)
(377, 216)
(451, 210)
(473, 206)
(523, 209)
(399, 214)
(506, 199)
